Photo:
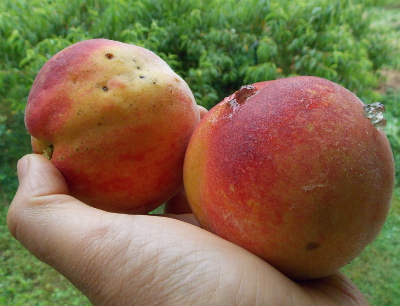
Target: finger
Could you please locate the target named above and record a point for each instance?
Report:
(39, 204)
(53, 226)
(36, 181)
(202, 110)
(187, 218)
(43, 185)
(336, 289)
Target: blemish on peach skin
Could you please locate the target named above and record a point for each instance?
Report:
(46, 88)
(300, 161)
(66, 61)
(81, 103)
(244, 93)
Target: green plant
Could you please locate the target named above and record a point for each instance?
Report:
(14, 143)
(215, 45)
(392, 103)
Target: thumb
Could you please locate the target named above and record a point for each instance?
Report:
(40, 184)
(42, 192)
(47, 179)
(53, 226)
(112, 258)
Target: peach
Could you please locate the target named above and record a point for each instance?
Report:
(293, 170)
(115, 119)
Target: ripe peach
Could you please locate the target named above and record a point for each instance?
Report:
(293, 171)
(115, 120)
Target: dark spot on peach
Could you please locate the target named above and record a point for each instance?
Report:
(105, 88)
(312, 246)
(109, 55)
(138, 67)
(142, 77)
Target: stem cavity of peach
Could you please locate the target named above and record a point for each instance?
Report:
(48, 153)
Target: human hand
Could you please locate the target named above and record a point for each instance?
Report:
(117, 259)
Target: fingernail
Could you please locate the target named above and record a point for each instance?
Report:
(22, 168)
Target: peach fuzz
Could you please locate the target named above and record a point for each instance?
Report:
(293, 171)
(115, 120)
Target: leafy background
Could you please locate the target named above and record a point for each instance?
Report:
(216, 46)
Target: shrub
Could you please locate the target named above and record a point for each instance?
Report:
(215, 45)
(392, 115)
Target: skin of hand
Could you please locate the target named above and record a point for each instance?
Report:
(117, 259)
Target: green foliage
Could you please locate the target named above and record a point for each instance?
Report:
(392, 104)
(215, 45)
(14, 142)
(386, 22)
